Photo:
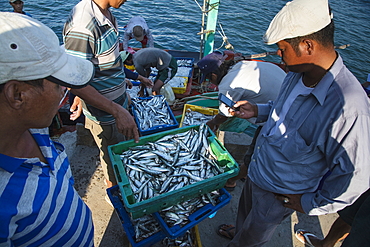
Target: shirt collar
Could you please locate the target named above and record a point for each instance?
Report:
(321, 90)
(100, 17)
(10, 164)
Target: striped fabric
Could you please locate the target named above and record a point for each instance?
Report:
(38, 203)
(90, 35)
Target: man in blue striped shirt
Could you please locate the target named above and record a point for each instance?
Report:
(38, 203)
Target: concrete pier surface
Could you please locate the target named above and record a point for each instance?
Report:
(89, 182)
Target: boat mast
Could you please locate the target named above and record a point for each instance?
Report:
(209, 9)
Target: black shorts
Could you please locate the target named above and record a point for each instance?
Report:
(358, 215)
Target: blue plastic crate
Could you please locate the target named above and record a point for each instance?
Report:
(195, 218)
(126, 221)
(136, 83)
(157, 128)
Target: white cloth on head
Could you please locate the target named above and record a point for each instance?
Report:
(257, 82)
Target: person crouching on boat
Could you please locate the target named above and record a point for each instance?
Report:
(137, 28)
(255, 81)
(165, 63)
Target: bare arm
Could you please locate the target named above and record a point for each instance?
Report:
(145, 81)
(124, 121)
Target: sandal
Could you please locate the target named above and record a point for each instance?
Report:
(226, 229)
(305, 235)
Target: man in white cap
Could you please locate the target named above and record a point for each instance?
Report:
(39, 205)
(311, 155)
(138, 28)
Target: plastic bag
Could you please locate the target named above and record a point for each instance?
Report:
(167, 92)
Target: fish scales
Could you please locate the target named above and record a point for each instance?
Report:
(174, 166)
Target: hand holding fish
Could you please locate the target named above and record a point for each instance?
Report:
(145, 81)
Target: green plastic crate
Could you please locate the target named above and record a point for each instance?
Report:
(210, 103)
(165, 200)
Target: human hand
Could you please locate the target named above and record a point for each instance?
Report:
(145, 81)
(292, 201)
(246, 110)
(76, 108)
(129, 83)
(125, 123)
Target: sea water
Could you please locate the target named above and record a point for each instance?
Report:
(175, 24)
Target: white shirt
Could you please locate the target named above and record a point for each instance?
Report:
(257, 82)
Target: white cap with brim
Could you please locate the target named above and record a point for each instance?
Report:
(298, 18)
(29, 50)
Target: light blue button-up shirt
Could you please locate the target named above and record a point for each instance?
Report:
(326, 130)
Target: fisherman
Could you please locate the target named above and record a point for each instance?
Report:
(311, 155)
(257, 82)
(105, 101)
(39, 205)
(165, 63)
(76, 103)
(18, 7)
(138, 28)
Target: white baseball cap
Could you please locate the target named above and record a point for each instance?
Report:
(29, 50)
(298, 18)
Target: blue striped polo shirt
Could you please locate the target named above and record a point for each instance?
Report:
(38, 203)
(91, 35)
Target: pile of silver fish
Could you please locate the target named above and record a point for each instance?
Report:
(133, 92)
(145, 227)
(178, 81)
(152, 112)
(194, 118)
(170, 163)
(183, 71)
(187, 240)
(179, 213)
(184, 62)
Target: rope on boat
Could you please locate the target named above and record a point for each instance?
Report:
(228, 46)
(199, 5)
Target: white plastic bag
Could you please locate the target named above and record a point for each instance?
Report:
(167, 92)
